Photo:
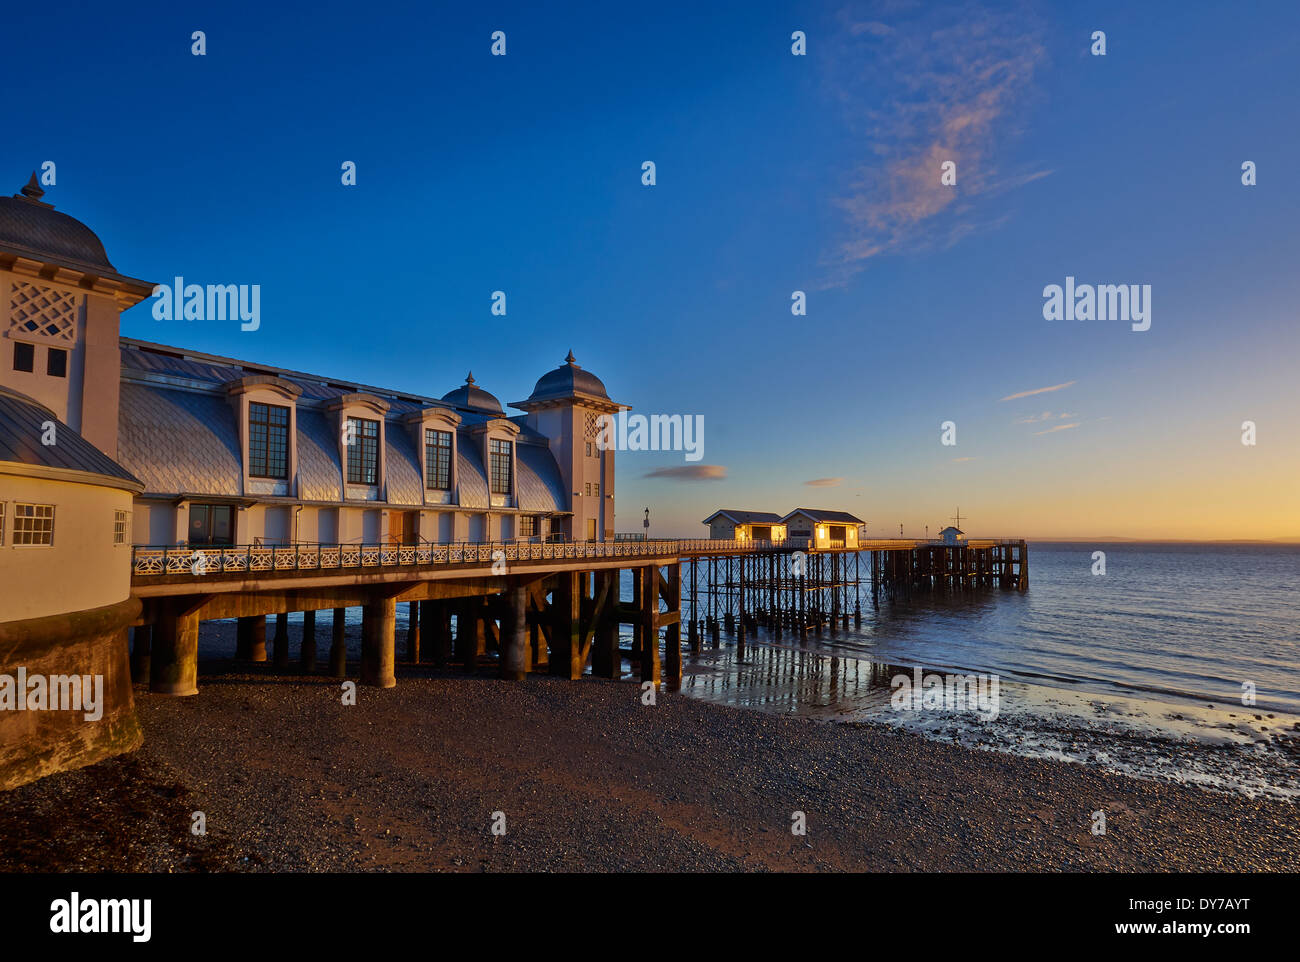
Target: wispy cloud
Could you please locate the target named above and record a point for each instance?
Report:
(921, 86)
(690, 472)
(1059, 427)
(1045, 416)
(960, 460)
(1038, 390)
(824, 482)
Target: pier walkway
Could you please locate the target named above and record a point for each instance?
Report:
(555, 607)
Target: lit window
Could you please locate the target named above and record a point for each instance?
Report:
(121, 527)
(2, 522)
(363, 451)
(24, 357)
(500, 456)
(527, 526)
(56, 362)
(437, 459)
(268, 441)
(33, 524)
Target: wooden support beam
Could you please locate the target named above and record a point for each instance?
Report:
(597, 613)
(672, 669)
(338, 644)
(413, 632)
(606, 659)
(649, 624)
(280, 643)
(566, 626)
(307, 647)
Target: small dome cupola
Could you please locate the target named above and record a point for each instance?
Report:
(470, 397)
(568, 381)
(30, 226)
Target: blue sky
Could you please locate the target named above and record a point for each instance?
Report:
(775, 173)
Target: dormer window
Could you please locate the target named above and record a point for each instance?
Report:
(501, 458)
(266, 408)
(363, 451)
(268, 441)
(437, 459)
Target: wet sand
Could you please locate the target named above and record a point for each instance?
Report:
(589, 779)
(1234, 749)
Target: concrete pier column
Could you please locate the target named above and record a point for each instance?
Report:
(379, 643)
(307, 650)
(280, 644)
(413, 632)
(565, 658)
(174, 660)
(514, 635)
(257, 638)
(141, 643)
(338, 645)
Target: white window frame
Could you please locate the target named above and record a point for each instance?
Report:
(121, 536)
(35, 544)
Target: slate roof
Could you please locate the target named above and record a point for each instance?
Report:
(21, 429)
(833, 517)
(177, 431)
(539, 484)
(37, 227)
(320, 475)
(178, 441)
(403, 477)
(745, 517)
(31, 228)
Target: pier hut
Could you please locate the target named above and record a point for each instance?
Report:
(734, 524)
(823, 529)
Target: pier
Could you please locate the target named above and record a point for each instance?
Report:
(532, 607)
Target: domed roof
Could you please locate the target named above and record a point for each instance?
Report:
(568, 380)
(26, 223)
(473, 398)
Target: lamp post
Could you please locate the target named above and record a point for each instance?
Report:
(646, 524)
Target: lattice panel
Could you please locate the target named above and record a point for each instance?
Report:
(43, 312)
(593, 426)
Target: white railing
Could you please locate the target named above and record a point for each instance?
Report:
(200, 560)
(194, 560)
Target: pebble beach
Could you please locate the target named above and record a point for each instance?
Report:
(584, 777)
